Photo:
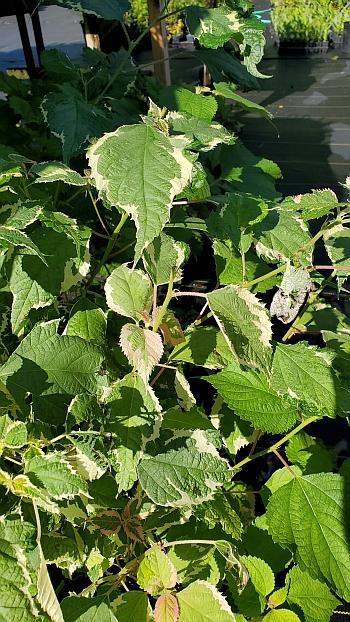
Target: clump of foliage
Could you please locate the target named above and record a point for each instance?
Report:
(309, 21)
(158, 458)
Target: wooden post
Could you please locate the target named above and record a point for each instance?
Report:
(159, 42)
(91, 31)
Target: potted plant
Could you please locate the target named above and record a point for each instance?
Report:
(302, 27)
(341, 15)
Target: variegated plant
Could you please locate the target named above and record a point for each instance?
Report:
(166, 341)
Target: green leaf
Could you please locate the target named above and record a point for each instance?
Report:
(337, 243)
(53, 473)
(78, 609)
(166, 608)
(310, 455)
(15, 600)
(260, 574)
(73, 120)
(185, 476)
(202, 602)
(221, 511)
(234, 267)
(212, 27)
(46, 595)
(245, 324)
(227, 91)
(306, 373)
(140, 171)
(184, 100)
(134, 418)
(109, 10)
(129, 292)
(162, 258)
(142, 347)
(248, 393)
(340, 345)
(253, 44)
(204, 346)
(9, 236)
(309, 511)
(32, 286)
(131, 607)
(281, 615)
(224, 65)
(281, 235)
(313, 205)
(313, 597)
(58, 64)
(57, 171)
(87, 321)
(156, 572)
(46, 364)
(13, 434)
(203, 136)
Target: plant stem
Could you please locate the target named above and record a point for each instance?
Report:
(195, 294)
(109, 248)
(279, 443)
(259, 279)
(177, 542)
(165, 304)
(97, 210)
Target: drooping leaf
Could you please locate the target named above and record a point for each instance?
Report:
(46, 595)
(309, 454)
(306, 373)
(245, 324)
(142, 347)
(311, 595)
(156, 572)
(227, 91)
(185, 476)
(73, 121)
(129, 292)
(140, 171)
(248, 393)
(296, 284)
(57, 171)
(202, 602)
(308, 512)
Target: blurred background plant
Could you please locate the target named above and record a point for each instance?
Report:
(310, 20)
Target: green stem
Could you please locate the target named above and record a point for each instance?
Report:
(311, 299)
(279, 443)
(109, 247)
(165, 304)
(259, 279)
(97, 210)
(57, 194)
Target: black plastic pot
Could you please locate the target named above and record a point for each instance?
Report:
(346, 39)
(297, 47)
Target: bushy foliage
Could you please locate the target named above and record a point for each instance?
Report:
(309, 21)
(158, 458)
